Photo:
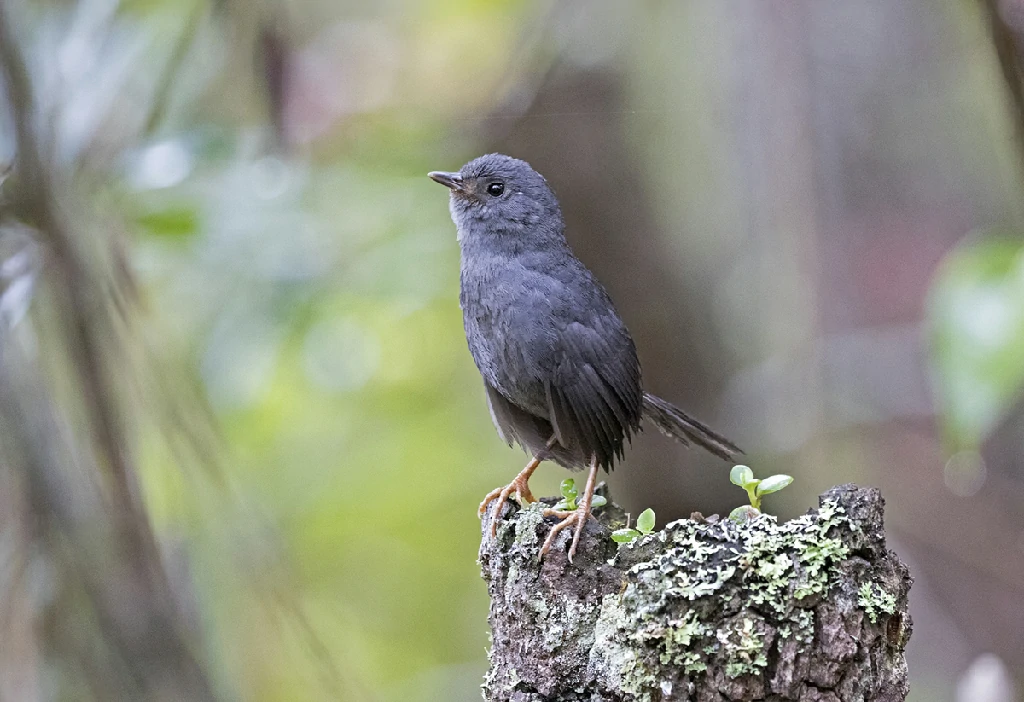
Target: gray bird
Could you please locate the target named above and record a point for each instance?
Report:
(559, 366)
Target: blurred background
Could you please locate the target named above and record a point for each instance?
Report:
(242, 441)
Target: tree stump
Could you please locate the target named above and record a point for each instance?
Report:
(706, 610)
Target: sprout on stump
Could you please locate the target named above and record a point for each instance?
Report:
(756, 489)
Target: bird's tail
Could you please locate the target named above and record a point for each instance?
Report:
(673, 422)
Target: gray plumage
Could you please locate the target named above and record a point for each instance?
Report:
(555, 357)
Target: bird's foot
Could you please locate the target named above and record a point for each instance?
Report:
(577, 517)
(519, 487)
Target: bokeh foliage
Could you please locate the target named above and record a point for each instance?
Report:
(315, 440)
(765, 187)
(977, 334)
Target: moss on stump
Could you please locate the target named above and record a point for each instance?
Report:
(705, 610)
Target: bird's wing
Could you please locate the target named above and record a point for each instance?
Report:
(593, 390)
(551, 344)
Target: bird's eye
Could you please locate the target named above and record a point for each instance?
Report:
(496, 189)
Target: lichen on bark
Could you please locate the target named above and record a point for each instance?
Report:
(705, 610)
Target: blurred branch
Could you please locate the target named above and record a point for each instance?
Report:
(1008, 51)
(107, 544)
(274, 58)
(35, 203)
(165, 84)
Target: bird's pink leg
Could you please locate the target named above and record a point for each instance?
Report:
(578, 517)
(519, 485)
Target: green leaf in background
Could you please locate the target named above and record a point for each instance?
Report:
(976, 324)
(740, 475)
(171, 223)
(773, 484)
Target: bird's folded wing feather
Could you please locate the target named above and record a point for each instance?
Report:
(593, 390)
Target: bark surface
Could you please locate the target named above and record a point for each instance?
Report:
(705, 610)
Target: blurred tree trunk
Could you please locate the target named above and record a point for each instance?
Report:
(100, 598)
(1006, 23)
(19, 623)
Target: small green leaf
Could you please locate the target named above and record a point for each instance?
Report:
(645, 522)
(598, 501)
(773, 484)
(569, 491)
(172, 222)
(743, 514)
(755, 499)
(563, 505)
(624, 536)
(740, 475)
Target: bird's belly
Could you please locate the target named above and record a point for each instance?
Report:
(505, 366)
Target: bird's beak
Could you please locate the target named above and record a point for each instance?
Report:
(449, 180)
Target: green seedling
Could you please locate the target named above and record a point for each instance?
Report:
(756, 489)
(570, 493)
(644, 526)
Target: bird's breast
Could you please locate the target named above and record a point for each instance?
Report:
(508, 322)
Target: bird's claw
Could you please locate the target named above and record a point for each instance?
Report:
(519, 487)
(577, 516)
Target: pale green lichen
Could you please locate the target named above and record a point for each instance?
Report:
(512, 676)
(524, 536)
(526, 525)
(806, 552)
(539, 607)
(745, 644)
(803, 626)
(774, 569)
(661, 622)
(679, 640)
(875, 601)
(569, 622)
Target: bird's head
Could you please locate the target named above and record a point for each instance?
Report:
(497, 196)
